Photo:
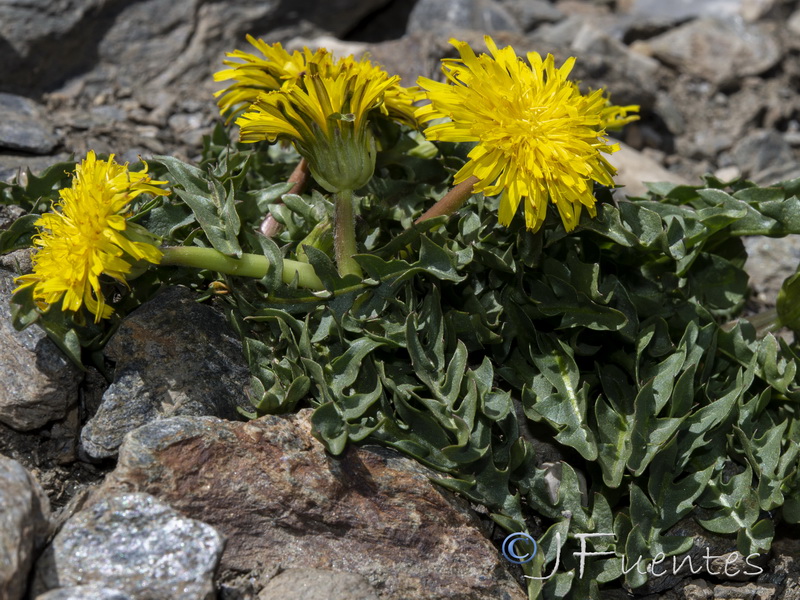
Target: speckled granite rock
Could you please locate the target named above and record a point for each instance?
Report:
(85, 592)
(136, 544)
(24, 526)
(39, 383)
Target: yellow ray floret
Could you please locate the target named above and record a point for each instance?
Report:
(273, 68)
(87, 236)
(538, 138)
(326, 119)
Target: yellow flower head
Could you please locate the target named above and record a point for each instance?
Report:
(87, 235)
(252, 74)
(398, 102)
(538, 137)
(276, 69)
(326, 119)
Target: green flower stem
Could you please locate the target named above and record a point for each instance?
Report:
(249, 265)
(344, 234)
(451, 201)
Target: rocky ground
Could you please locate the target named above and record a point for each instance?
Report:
(258, 510)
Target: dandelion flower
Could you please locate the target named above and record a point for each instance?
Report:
(538, 138)
(252, 74)
(87, 236)
(326, 120)
(274, 68)
(398, 101)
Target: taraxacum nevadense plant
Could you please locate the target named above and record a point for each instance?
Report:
(576, 366)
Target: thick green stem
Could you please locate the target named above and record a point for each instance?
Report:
(344, 234)
(249, 265)
(451, 201)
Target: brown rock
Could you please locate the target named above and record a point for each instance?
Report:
(317, 584)
(280, 500)
(697, 589)
(749, 591)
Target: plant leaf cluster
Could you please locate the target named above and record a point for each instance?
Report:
(601, 381)
(485, 351)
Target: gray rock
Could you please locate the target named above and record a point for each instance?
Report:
(412, 56)
(792, 138)
(134, 543)
(339, 48)
(15, 166)
(670, 113)
(708, 143)
(39, 383)
(173, 357)
(42, 44)
(85, 592)
(24, 526)
(602, 59)
(448, 16)
(282, 502)
(763, 155)
(753, 10)
(317, 584)
(681, 10)
(769, 262)
(560, 34)
(155, 45)
(107, 114)
(601, 16)
(793, 24)
(715, 122)
(194, 124)
(334, 16)
(697, 589)
(529, 14)
(24, 126)
(45, 42)
(8, 214)
(188, 40)
(63, 437)
(784, 567)
(18, 261)
(631, 78)
(719, 51)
